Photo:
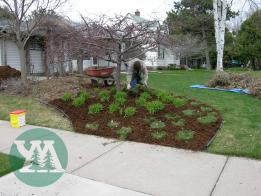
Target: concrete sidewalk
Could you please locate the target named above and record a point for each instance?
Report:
(99, 166)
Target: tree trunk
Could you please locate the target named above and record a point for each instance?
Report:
(80, 65)
(208, 65)
(220, 13)
(118, 76)
(22, 56)
(207, 59)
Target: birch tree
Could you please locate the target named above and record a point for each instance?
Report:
(25, 18)
(220, 16)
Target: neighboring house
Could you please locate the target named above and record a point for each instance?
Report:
(9, 53)
(161, 56)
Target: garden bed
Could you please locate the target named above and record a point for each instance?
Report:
(146, 116)
(8, 72)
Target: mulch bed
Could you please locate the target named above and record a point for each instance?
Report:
(8, 72)
(140, 123)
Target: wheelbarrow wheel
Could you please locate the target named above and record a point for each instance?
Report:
(109, 81)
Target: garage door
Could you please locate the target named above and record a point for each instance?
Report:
(12, 55)
(36, 61)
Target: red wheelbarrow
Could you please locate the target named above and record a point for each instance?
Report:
(101, 74)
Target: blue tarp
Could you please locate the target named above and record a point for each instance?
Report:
(234, 90)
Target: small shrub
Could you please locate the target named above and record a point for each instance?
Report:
(189, 112)
(145, 95)
(179, 123)
(67, 97)
(120, 100)
(159, 135)
(157, 125)
(120, 97)
(210, 118)
(104, 96)
(129, 111)
(124, 132)
(92, 126)
(221, 78)
(255, 88)
(164, 96)
(95, 108)
(205, 109)
(178, 102)
(113, 90)
(114, 107)
(194, 103)
(78, 101)
(120, 94)
(85, 95)
(141, 101)
(185, 135)
(113, 124)
(154, 106)
(170, 116)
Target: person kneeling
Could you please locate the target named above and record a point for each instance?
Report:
(137, 73)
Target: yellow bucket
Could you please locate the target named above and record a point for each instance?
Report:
(17, 118)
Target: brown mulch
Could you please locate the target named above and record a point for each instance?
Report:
(140, 124)
(8, 72)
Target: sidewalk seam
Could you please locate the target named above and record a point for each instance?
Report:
(221, 172)
(94, 159)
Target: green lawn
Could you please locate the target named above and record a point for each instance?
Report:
(37, 113)
(240, 134)
(6, 166)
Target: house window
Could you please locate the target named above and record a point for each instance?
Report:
(161, 53)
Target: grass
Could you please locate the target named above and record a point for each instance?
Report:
(37, 113)
(6, 166)
(240, 134)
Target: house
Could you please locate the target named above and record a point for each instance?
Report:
(161, 56)
(9, 53)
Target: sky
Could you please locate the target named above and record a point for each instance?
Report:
(148, 8)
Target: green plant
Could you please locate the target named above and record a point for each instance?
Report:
(141, 101)
(170, 116)
(189, 112)
(78, 101)
(210, 118)
(145, 95)
(164, 96)
(157, 125)
(95, 108)
(194, 103)
(113, 124)
(120, 100)
(205, 109)
(66, 97)
(185, 135)
(124, 132)
(178, 102)
(114, 107)
(129, 111)
(120, 94)
(154, 106)
(92, 126)
(179, 123)
(113, 90)
(120, 97)
(85, 95)
(104, 96)
(159, 135)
